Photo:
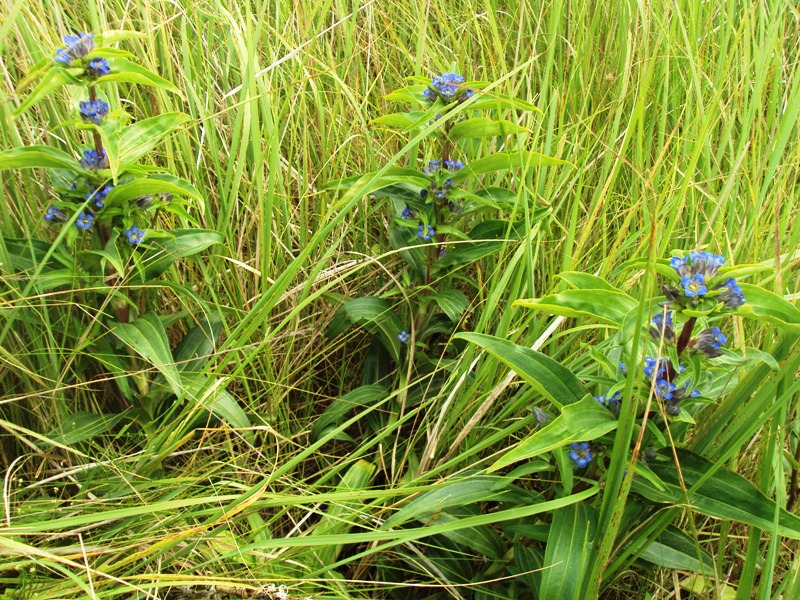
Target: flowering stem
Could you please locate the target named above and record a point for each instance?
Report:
(98, 141)
(686, 335)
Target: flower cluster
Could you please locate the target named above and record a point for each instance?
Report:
(93, 111)
(698, 272)
(448, 88)
(668, 386)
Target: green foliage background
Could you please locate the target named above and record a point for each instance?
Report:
(680, 117)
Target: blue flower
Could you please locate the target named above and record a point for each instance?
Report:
(84, 221)
(623, 369)
(581, 454)
(731, 294)
(408, 213)
(93, 160)
(99, 195)
(664, 389)
(135, 235)
(424, 234)
(695, 393)
(448, 88)
(78, 45)
(403, 336)
(54, 214)
(694, 286)
(423, 193)
(432, 167)
(650, 366)
(98, 67)
(93, 111)
(709, 341)
(453, 165)
(697, 263)
(662, 327)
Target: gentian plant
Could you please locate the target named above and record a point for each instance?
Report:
(444, 215)
(101, 236)
(645, 419)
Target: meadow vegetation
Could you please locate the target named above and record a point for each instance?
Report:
(294, 444)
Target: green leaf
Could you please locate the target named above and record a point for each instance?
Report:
(52, 79)
(477, 488)
(84, 426)
(567, 553)
(123, 69)
(581, 421)
(453, 303)
(154, 184)
(397, 120)
(37, 157)
(483, 127)
(138, 139)
(412, 93)
(209, 393)
(412, 253)
(160, 254)
(365, 184)
(494, 100)
(586, 281)
(605, 306)
(762, 305)
(723, 495)
(363, 396)
(547, 376)
(147, 337)
(198, 345)
(501, 161)
(376, 315)
(673, 549)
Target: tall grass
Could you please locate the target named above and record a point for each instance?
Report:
(681, 119)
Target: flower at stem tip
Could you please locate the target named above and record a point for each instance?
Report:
(581, 454)
(403, 336)
(78, 45)
(448, 88)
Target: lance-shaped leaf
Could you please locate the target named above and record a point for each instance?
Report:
(146, 336)
(673, 549)
(578, 422)
(566, 555)
(480, 127)
(376, 315)
(52, 79)
(138, 139)
(547, 376)
(766, 306)
(453, 303)
(37, 157)
(123, 69)
(503, 161)
(603, 305)
(362, 186)
(723, 495)
(363, 396)
(154, 184)
(210, 394)
(160, 254)
(198, 345)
